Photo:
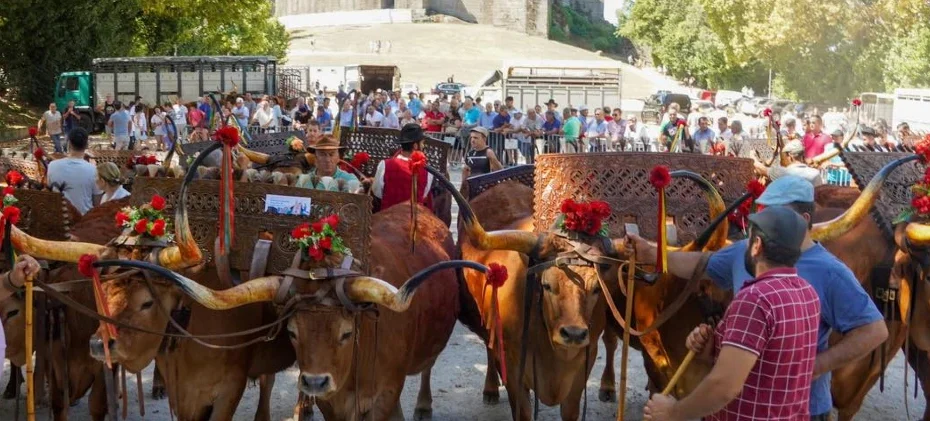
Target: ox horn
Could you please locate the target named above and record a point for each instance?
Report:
(516, 240)
(185, 253)
(254, 291)
(256, 157)
(59, 251)
(376, 291)
(826, 231)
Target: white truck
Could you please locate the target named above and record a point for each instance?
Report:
(912, 106)
(531, 83)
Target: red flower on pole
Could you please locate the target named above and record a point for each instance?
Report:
(33, 131)
(39, 154)
(360, 159)
(857, 102)
(14, 178)
(86, 265)
(121, 219)
(9, 190)
(158, 202)
(660, 177)
(767, 112)
(141, 226)
(228, 135)
(497, 275)
(755, 188)
(417, 162)
(11, 213)
(682, 123)
(158, 228)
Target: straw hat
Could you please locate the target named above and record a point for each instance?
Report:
(326, 143)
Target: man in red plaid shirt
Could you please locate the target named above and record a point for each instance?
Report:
(765, 346)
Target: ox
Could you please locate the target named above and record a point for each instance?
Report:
(665, 348)
(71, 371)
(351, 364)
(572, 307)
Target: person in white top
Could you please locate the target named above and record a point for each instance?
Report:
(180, 118)
(140, 126)
(635, 137)
(74, 177)
(373, 118)
(52, 120)
(723, 131)
(110, 182)
(390, 120)
(264, 116)
(158, 127)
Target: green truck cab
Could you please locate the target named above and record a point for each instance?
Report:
(79, 87)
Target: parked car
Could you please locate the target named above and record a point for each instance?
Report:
(656, 105)
(448, 88)
(406, 87)
(704, 107)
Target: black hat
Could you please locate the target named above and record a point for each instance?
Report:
(412, 132)
(552, 102)
(780, 225)
(868, 131)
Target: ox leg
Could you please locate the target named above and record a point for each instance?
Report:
(424, 408)
(158, 385)
(608, 391)
(16, 379)
(519, 397)
(265, 384)
(919, 361)
(492, 383)
(97, 401)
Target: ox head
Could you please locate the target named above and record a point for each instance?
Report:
(325, 324)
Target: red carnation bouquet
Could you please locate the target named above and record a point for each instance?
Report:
(14, 178)
(147, 219)
(357, 160)
(584, 217)
(320, 238)
(920, 201)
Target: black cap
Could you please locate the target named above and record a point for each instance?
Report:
(780, 225)
(412, 132)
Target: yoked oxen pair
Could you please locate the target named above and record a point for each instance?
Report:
(849, 234)
(71, 371)
(552, 305)
(203, 382)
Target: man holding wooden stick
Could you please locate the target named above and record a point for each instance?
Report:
(765, 346)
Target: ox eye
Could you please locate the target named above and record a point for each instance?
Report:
(345, 336)
(148, 304)
(291, 334)
(11, 314)
(547, 287)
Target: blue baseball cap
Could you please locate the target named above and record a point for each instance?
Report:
(785, 190)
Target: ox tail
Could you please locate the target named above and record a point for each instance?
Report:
(716, 206)
(839, 226)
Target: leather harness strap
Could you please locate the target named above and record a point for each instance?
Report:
(667, 313)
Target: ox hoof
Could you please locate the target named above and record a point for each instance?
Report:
(492, 397)
(158, 392)
(607, 395)
(420, 414)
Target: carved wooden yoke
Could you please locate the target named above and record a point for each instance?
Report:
(381, 145)
(622, 180)
(354, 212)
(896, 190)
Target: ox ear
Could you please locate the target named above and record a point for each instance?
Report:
(366, 289)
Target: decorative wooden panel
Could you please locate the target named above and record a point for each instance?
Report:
(381, 144)
(203, 206)
(896, 190)
(622, 180)
(480, 183)
(44, 214)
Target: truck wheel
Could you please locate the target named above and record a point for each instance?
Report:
(86, 123)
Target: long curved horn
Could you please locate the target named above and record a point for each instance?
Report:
(837, 148)
(520, 241)
(256, 157)
(185, 253)
(826, 231)
(715, 235)
(59, 251)
(254, 291)
(372, 290)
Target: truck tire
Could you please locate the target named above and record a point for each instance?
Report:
(87, 123)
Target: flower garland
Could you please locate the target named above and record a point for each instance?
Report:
(586, 218)
(920, 202)
(320, 238)
(147, 219)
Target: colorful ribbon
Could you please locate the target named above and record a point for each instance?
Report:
(86, 267)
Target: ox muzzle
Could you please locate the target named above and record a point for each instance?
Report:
(316, 385)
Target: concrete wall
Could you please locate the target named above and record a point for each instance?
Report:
(300, 7)
(309, 20)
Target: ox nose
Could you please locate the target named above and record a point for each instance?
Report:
(314, 384)
(573, 334)
(96, 347)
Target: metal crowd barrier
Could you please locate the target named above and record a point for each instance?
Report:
(837, 176)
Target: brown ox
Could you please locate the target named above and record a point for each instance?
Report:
(83, 373)
(842, 235)
(563, 344)
(352, 362)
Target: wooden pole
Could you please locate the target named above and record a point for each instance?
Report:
(30, 378)
(681, 370)
(626, 336)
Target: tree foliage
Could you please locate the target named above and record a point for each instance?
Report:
(819, 50)
(39, 39)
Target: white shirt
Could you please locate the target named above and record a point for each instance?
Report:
(517, 124)
(377, 187)
(725, 135)
(374, 119)
(158, 125)
(118, 194)
(180, 115)
(390, 121)
(52, 122)
(77, 181)
(265, 118)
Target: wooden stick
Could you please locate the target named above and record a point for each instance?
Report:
(681, 370)
(30, 378)
(625, 358)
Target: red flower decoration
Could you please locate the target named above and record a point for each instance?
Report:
(158, 228)
(660, 177)
(158, 202)
(921, 204)
(857, 102)
(315, 253)
(121, 219)
(360, 159)
(14, 178)
(86, 265)
(584, 217)
(568, 206)
(497, 275)
(682, 123)
(922, 148)
(417, 162)
(318, 226)
(150, 160)
(755, 189)
(326, 243)
(301, 231)
(9, 190)
(228, 135)
(39, 154)
(332, 221)
(767, 112)
(33, 131)
(11, 213)
(142, 226)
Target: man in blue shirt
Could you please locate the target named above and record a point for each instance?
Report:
(324, 118)
(486, 119)
(845, 307)
(703, 136)
(414, 104)
(502, 121)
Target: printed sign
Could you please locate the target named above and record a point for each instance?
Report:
(287, 205)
